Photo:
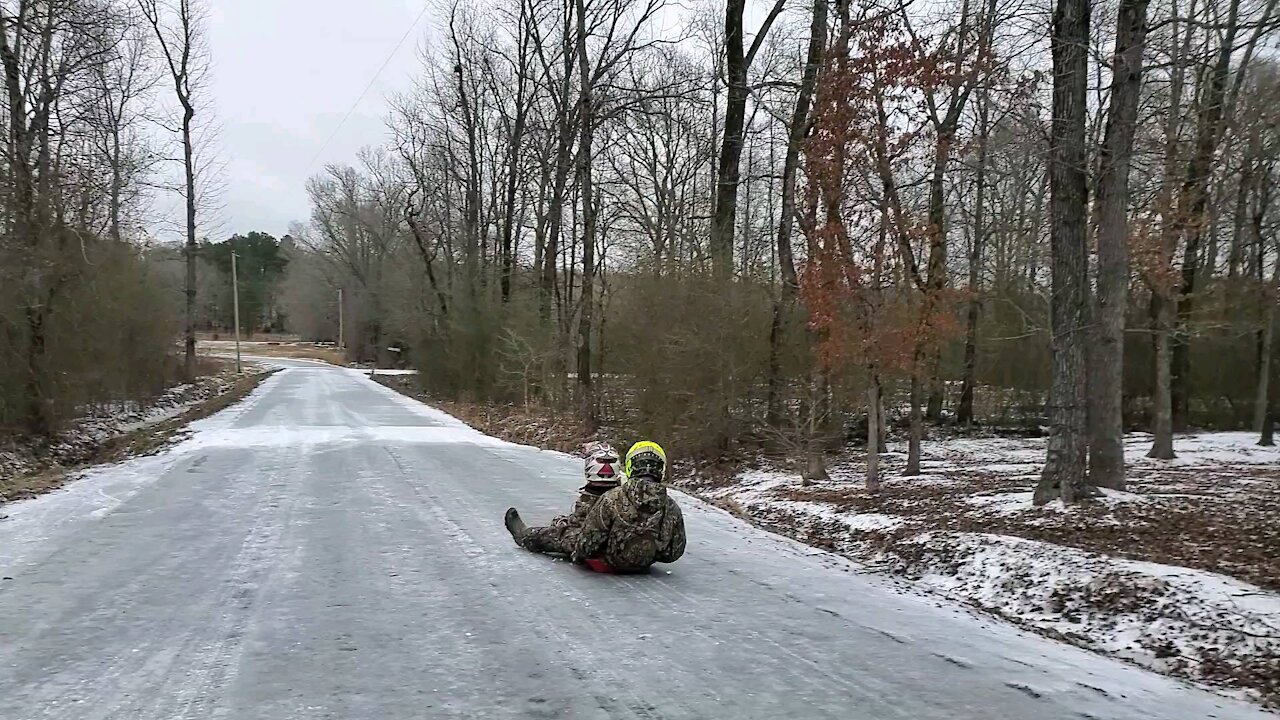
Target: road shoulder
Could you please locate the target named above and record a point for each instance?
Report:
(29, 472)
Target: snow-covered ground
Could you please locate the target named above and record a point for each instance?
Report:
(1178, 574)
(100, 424)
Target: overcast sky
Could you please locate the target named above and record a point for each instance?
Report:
(285, 72)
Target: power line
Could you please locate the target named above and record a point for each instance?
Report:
(367, 87)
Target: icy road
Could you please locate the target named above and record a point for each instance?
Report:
(330, 549)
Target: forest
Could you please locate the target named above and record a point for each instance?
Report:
(751, 226)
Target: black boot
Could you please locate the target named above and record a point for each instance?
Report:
(514, 524)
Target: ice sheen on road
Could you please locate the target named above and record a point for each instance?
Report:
(328, 548)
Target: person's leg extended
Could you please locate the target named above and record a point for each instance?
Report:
(554, 539)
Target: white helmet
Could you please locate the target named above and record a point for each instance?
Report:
(603, 466)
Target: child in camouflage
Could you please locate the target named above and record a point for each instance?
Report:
(602, 467)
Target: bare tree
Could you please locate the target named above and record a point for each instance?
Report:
(964, 408)
(1215, 104)
(1158, 271)
(797, 130)
(623, 25)
(49, 53)
(178, 29)
(738, 60)
(588, 407)
(1266, 343)
(1064, 470)
(966, 52)
(516, 124)
(81, 315)
(1106, 428)
(125, 86)
(969, 53)
(356, 229)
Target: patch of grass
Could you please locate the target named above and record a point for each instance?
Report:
(294, 350)
(733, 507)
(26, 486)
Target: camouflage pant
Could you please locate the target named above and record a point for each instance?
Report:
(551, 539)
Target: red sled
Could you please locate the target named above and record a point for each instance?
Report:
(598, 565)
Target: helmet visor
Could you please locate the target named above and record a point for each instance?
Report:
(647, 465)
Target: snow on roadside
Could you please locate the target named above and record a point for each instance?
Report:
(941, 530)
(854, 521)
(100, 424)
(758, 484)
(1185, 622)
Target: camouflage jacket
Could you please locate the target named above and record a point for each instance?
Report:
(632, 527)
(578, 516)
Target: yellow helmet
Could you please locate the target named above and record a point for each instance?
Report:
(646, 458)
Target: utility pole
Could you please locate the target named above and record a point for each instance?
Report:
(341, 344)
(235, 303)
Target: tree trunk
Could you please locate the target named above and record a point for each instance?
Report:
(39, 418)
(1162, 402)
(725, 208)
(411, 215)
(189, 250)
(1162, 293)
(1261, 402)
(737, 63)
(1194, 207)
(513, 170)
(786, 259)
(917, 422)
(1106, 380)
(1239, 217)
(1064, 470)
(471, 193)
(873, 432)
(1262, 398)
(936, 266)
(586, 137)
(933, 408)
(117, 189)
(964, 410)
(555, 206)
(946, 127)
(1268, 438)
(815, 461)
(815, 468)
(773, 404)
